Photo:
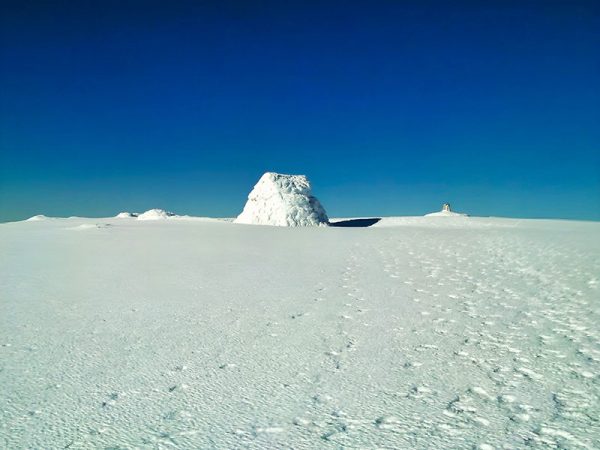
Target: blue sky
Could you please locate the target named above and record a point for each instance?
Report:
(390, 108)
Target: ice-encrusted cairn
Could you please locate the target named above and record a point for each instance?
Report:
(283, 200)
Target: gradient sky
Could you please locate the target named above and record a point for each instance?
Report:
(390, 107)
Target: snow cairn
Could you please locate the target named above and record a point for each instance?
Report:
(284, 201)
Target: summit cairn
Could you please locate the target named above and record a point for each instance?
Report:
(446, 212)
(284, 201)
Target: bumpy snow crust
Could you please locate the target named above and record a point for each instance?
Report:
(155, 214)
(283, 200)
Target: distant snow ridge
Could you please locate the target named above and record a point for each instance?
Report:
(446, 212)
(126, 215)
(36, 218)
(155, 214)
(283, 200)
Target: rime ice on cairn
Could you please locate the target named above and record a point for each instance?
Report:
(283, 200)
(445, 212)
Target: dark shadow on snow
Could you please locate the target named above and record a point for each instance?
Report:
(358, 223)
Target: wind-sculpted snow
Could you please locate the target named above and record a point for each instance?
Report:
(282, 200)
(413, 333)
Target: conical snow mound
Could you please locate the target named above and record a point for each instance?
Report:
(283, 200)
(155, 214)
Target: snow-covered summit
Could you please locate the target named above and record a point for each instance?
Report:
(155, 214)
(283, 200)
(126, 215)
(445, 212)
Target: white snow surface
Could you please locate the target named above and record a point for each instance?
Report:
(199, 333)
(155, 214)
(283, 200)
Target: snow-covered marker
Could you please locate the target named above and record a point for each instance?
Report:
(283, 200)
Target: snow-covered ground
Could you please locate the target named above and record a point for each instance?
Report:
(423, 332)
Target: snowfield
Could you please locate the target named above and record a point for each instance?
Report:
(421, 332)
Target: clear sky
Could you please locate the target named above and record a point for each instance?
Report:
(390, 107)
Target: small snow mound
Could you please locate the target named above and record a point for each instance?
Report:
(126, 215)
(155, 214)
(36, 218)
(283, 200)
(445, 212)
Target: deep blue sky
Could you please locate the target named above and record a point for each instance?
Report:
(390, 107)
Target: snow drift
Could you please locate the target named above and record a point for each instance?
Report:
(155, 214)
(283, 200)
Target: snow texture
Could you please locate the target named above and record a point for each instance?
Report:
(283, 200)
(416, 333)
(155, 214)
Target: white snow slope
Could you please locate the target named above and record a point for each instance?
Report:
(283, 200)
(414, 333)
